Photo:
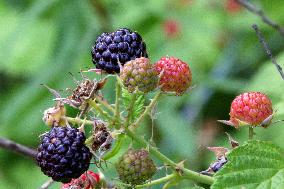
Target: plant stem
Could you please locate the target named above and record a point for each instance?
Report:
(251, 133)
(115, 148)
(159, 181)
(185, 172)
(259, 12)
(78, 121)
(268, 50)
(130, 110)
(117, 95)
(101, 111)
(18, 148)
(147, 110)
(105, 104)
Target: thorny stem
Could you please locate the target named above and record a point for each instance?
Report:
(185, 173)
(159, 181)
(250, 7)
(267, 50)
(147, 110)
(105, 104)
(18, 148)
(101, 111)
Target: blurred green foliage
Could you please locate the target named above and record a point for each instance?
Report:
(42, 41)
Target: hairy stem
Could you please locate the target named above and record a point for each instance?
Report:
(267, 50)
(185, 172)
(117, 96)
(130, 110)
(159, 181)
(105, 104)
(18, 148)
(78, 121)
(147, 110)
(259, 12)
(104, 114)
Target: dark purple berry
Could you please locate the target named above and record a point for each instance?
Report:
(122, 45)
(62, 154)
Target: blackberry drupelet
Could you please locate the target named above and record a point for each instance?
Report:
(62, 154)
(122, 45)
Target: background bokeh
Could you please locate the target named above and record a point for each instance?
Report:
(41, 41)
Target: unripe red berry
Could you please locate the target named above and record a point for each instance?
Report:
(175, 75)
(252, 108)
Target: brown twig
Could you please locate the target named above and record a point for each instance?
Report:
(18, 148)
(47, 184)
(267, 49)
(259, 12)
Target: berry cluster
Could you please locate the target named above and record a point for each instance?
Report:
(63, 154)
(121, 50)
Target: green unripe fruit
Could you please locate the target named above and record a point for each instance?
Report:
(135, 167)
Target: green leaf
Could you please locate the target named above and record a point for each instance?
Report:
(138, 105)
(255, 165)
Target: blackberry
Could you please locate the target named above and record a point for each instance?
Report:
(122, 45)
(62, 154)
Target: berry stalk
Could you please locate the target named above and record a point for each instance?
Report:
(130, 110)
(105, 104)
(117, 96)
(166, 178)
(99, 110)
(147, 110)
(185, 172)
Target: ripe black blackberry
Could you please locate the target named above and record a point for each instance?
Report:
(123, 45)
(62, 154)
